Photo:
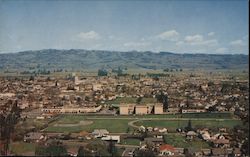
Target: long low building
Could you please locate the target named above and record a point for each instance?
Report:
(72, 110)
(127, 109)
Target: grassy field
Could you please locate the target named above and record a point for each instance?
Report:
(225, 115)
(19, 148)
(115, 125)
(180, 141)
(131, 141)
(173, 124)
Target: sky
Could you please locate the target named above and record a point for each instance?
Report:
(197, 26)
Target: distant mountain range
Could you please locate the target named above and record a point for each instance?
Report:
(77, 59)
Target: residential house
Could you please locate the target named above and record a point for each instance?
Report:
(34, 137)
(191, 135)
(167, 150)
(100, 133)
(153, 141)
(115, 138)
(222, 143)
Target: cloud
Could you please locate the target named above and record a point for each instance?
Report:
(221, 50)
(136, 44)
(198, 40)
(237, 43)
(91, 35)
(194, 38)
(171, 35)
(210, 33)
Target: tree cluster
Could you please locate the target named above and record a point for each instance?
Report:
(7, 125)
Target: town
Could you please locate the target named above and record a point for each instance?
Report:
(182, 113)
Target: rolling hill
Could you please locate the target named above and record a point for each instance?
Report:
(76, 59)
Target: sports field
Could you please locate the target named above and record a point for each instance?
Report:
(119, 124)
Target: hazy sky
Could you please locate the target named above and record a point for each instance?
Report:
(198, 26)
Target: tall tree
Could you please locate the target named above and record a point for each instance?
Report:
(8, 122)
(163, 98)
(81, 152)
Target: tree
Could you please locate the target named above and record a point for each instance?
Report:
(138, 100)
(187, 153)
(112, 148)
(144, 153)
(102, 72)
(8, 122)
(32, 78)
(162, 98)
(245, 148)
(128, 129)
(166, 70)
(53, 149)
(189, 126)
(81, 152)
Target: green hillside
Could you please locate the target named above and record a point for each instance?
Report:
(75, 59)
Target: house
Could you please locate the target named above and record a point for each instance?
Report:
(223, 143)
(167, 150)
(206, 152)
(100, 133)
(173, 110)
(154, 141)
(219, 152)
(179, 151)
(72, 151)
(193, 110)
(205, 135)
(34, 137)
(115, 138)
(236, 152)
(190, 135)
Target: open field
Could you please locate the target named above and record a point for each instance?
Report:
(180, 141)
(130, 141)
(173, 124)
(119, 124)
(114, 125)
(22, 147)
(215, 115)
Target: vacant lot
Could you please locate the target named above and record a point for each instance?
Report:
(181, 142)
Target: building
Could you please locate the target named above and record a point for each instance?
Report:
(193, 110)
(166, 150)
(126, 109)
(158, 109)
(74, 110)
(34, 137)
(100, 133)
(141, 109)
(191, 135)
(115, 138)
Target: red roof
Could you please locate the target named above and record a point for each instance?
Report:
(167, 147)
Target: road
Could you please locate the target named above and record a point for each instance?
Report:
(128, 152)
